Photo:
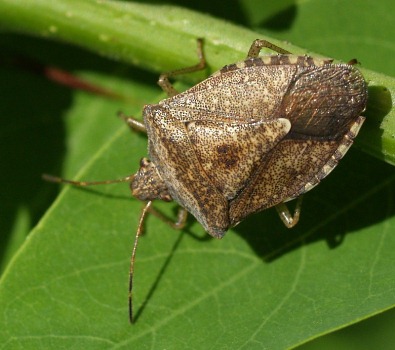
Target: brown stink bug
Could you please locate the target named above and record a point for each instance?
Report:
(253, 135)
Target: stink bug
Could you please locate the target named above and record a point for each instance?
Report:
(253, 135)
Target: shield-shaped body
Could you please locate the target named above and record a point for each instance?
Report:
(253, 135)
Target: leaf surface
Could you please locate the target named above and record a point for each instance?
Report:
(262, 286)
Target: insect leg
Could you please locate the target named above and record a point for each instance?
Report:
(164, 82)
(133, 124)
(178, 224)
(258, 44)
(286, 217)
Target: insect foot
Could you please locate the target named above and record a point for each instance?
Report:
(253, 135)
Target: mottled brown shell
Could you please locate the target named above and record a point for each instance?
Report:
(255, 134)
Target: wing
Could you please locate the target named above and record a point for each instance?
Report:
(251, 93)
(323, 102)
(323, 105)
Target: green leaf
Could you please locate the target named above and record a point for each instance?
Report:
(262, 286)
